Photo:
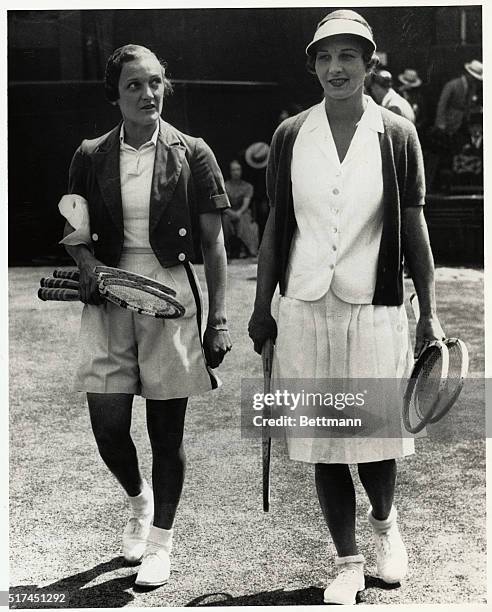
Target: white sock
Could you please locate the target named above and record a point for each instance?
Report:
(141, 505)
(161, 538)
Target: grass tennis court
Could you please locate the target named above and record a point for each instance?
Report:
(67, 512)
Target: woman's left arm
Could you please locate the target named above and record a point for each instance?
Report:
(418, 255)
(216, 340)
(416, 245)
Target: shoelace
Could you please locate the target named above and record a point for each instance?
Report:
(346, 576)
(155, 551)
(135, 526)
(383, 543)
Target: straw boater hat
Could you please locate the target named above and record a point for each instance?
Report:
(475, 68)
(347, 23)
(256, 155)
(410, 78)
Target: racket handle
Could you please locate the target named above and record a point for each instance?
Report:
(69, 274)
(267, 358)
(58, 295)
(59, 283)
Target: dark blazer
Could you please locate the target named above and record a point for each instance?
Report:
(403, 185)
(187, 182)
(454, 103)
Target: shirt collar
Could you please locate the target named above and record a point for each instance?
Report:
(153, 138)
(371, 117)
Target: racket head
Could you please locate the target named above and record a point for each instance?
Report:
(425, 386)
(58, 295)
(59, 283)
(457, 373)
(266, 441)
(108, 272)
(140, 298)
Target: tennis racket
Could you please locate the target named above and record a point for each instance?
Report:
(106, 271)
(121, 287)
(457, 370)
(266, 440)
(425, 386)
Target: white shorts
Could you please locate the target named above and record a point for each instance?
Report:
(125, 352)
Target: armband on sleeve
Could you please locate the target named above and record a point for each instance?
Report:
(75, 209)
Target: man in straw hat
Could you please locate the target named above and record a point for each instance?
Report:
(459, 98)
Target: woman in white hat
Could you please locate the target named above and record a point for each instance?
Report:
(345, 182)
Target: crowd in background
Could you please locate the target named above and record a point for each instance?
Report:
(451, 136)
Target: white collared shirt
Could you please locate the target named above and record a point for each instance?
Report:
(338, 209)
(136, 171)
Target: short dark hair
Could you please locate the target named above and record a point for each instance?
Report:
(371, 60)
(114, 66)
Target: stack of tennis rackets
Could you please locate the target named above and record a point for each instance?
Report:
(126, 289)
(435, 382)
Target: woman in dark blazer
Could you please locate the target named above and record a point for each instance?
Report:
(144, 197)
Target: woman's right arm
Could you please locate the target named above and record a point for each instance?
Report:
(81, 253)
(262, 325)
(86, 262)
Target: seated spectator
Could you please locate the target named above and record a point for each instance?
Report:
(240, 231)
(256, 158)
(380, 86)
(468, 162)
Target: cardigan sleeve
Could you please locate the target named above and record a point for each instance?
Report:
(272, 167)
(414, 194)
(209, 183)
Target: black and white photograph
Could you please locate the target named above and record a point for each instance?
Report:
(268, 387)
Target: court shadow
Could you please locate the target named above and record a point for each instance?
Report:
(110, 594)
(373, 582)
(309, 596)
(280, 597)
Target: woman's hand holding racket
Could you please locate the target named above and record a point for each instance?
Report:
(262, 327)
(216, 343)
(89, 280)
(437, 377)
(121, 287)
(428, 328)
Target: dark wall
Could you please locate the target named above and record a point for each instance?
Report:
(46, 128)
(56, 61)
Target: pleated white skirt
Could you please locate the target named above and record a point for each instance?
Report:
(330, 338)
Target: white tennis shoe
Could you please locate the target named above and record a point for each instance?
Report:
(391, 554)
(156, 566)
(138, 526)
(350, 581)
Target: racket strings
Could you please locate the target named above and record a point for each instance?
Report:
(428, 384)
(137, 296)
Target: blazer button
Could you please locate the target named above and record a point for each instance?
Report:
(95, 237)
(182, 231)
(181, 257)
